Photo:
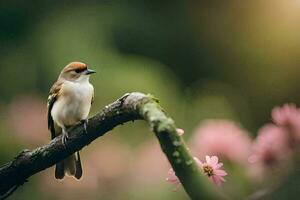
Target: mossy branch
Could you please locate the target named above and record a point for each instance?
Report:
(130, 107)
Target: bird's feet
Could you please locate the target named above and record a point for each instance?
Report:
(65, 137)
(85, 124)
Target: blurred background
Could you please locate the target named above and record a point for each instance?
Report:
(232, 60)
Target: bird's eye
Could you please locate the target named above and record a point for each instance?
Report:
(77, 70)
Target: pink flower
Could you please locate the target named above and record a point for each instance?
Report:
(211, 168)
(221, 138)
(173, 179)
(270, 149)
(288, 116)
(270, 146)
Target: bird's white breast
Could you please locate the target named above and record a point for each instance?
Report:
(73, 104)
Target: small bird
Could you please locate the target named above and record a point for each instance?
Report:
(69, 102)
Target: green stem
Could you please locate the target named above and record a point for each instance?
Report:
(173, 145)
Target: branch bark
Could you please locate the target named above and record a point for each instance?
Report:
(130, 107)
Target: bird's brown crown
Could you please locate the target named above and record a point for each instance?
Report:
(75, 66)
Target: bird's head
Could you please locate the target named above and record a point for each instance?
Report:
(76, 72)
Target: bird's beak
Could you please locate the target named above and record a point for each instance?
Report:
(89, 71)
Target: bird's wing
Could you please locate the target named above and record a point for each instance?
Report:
(53, 96)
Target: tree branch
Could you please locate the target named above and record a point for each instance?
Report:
(130, 107)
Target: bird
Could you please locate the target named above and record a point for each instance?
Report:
(69, 102)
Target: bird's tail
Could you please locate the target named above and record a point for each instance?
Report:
(70, 166)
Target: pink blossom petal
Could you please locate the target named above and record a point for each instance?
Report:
(214, 161)
(172, 178)
(216, 180)
(220, 172)
(222, 179)
(207, 158)
(218, 165)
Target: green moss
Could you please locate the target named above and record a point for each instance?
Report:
(150, 96)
